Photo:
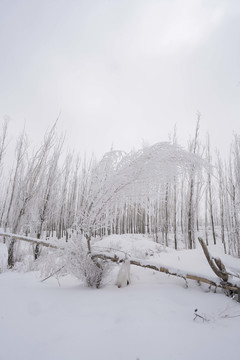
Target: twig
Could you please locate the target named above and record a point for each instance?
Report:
(55, 272)
(233, 274)
(200, 316)
(229, 316)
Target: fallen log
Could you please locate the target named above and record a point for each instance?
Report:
(216, 264)
(29, 239)
(220, 270)
(226, 286)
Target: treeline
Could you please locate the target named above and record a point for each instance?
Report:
(160, 190)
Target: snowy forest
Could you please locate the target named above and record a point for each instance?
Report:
(161, 190)
(128, 218)
(119, 179)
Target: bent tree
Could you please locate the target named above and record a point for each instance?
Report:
(120, 176)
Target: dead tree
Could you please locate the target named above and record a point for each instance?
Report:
(215, 263)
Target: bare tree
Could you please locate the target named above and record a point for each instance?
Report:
(221, 193)
(210, 189)
(3, 137)
(190, 215)
(49, 179)
(29, 183)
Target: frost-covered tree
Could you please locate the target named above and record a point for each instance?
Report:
(191, 206)
(3, 145)
(118, 176)
(44, 200)
(26, 184)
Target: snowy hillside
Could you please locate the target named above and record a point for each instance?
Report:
(152, 318)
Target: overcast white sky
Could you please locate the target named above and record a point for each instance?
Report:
(121, 71)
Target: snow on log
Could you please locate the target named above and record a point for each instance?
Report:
(29, 239)
(215, 263)
(172, 272)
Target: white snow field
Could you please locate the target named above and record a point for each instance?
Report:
(151, 319)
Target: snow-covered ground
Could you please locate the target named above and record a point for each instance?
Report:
(153, 318)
